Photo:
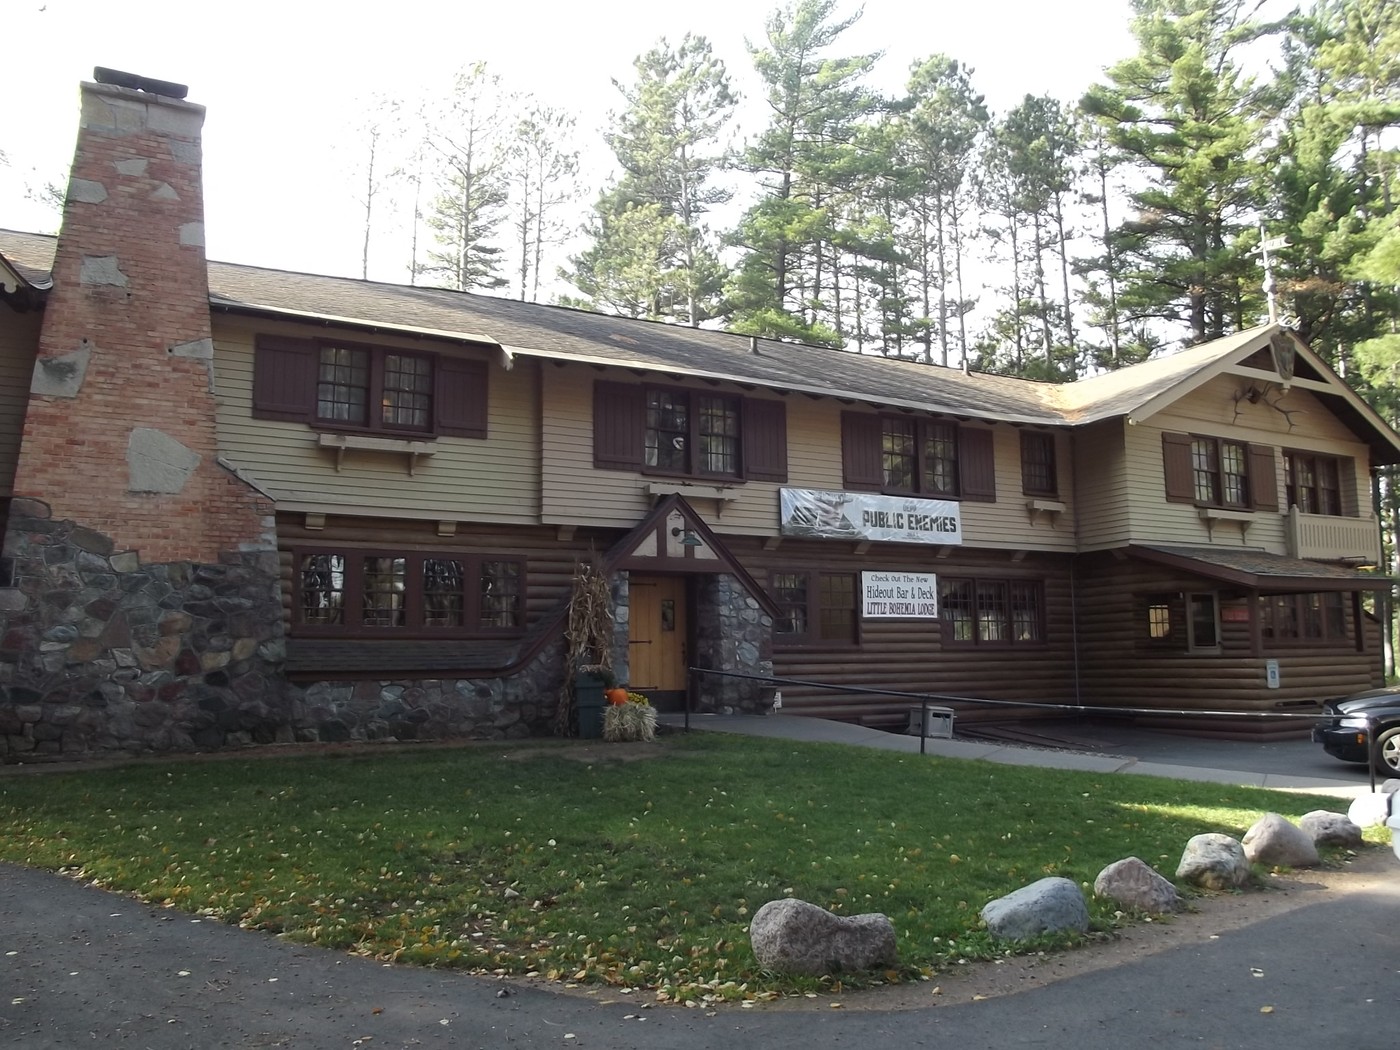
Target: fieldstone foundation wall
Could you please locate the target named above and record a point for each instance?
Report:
(481, 709)
(732, 633)
(99, 651)
(102, 653)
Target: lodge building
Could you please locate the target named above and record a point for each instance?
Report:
(246, 505)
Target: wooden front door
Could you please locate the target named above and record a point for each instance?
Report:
(657, 647)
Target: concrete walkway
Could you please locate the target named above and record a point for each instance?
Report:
(1295, 765)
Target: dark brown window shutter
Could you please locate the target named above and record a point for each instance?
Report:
(619, 424)
(461, 397)
(765, 440)
(284, 378)
(861, 462)
(1263, 478)
(1176, 466)
(977, 465)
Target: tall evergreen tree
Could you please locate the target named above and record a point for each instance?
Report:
(1182, 112)
(469, 139)
(946, 118)
(669, 143)
(816, 105)
(540, 167)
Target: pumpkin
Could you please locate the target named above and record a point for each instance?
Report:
(616, 696)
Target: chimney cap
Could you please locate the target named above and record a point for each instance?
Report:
(117, 78)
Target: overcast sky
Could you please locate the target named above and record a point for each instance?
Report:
(283, 81)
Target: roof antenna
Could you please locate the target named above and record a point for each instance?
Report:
(1267, 245)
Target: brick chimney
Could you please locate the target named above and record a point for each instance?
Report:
(119, 436)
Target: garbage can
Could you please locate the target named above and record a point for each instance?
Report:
(588, 702)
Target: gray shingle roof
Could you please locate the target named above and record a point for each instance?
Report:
(561, 333)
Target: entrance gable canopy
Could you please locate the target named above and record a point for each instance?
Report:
(672, 538)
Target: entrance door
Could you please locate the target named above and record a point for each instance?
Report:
(657, 640)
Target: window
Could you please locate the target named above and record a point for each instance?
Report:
(338, 385)
(980, 611)
(917, 456)
(814, 607)
(1202, 621)
(1038, 464)
(1159, 621)
(1313, 482)
(395, 594)
(692, 433)
(688, 433)
(1219, 472)
(1318, 617)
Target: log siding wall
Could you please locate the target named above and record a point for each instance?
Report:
(1120, 667)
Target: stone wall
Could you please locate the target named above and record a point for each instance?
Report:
(100, 652)
(732, 633)
(485, 709)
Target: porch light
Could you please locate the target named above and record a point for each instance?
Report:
(688, 538)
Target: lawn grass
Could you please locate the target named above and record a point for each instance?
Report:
(517, 859)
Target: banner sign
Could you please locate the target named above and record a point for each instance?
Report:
(868, 516)
(899, 595)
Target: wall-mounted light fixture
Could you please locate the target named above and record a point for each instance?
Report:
(688, 538)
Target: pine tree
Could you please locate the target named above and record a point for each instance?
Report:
(469, 141)
(669, 143)
(540, 167)
(946, 119)
(788, 235)
(1190, 121)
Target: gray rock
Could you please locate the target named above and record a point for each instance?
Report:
(1331, 829)
(1042, 907)
(1215, 862)
(1276, 840)
(793, 936)
(1133, 884)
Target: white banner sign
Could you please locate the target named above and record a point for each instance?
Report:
(899, 595)
(868, 516)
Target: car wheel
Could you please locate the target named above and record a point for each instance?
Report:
(1386, 753)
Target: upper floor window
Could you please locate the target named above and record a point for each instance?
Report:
(1313, 482)
(1219, 472)
(982, 611)
(814, 607)
(399, 386)
(398, 594)
(1038, 464)
(917, 456)
(688, 433)
(339, 385)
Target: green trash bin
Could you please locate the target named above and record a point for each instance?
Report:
(588, 702)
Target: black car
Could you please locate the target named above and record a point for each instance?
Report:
(1363, 727)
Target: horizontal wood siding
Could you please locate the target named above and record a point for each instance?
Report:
(909, 655)
(1121, 668)
(19, 341)
(1101, 484)
(1211, 412)
(575, 492)
(494, 479)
